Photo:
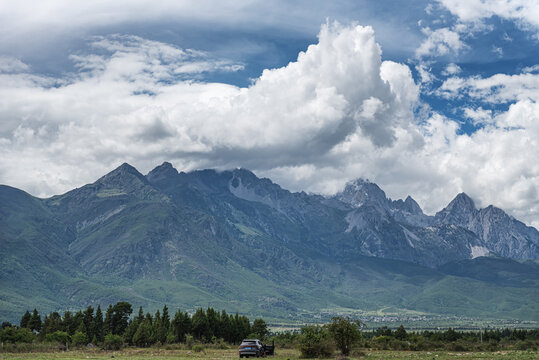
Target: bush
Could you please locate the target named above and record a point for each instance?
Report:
(220, 344)
(492, 345)
(198, 348)
(286, 340)
(458, 346)
(315, 342)
(28, 348)
(189, 341)
(381, 342)
(525, 345)
(57, 336)
(113, 342)
(14, 335)
(79, 339)
(395, 344)
(171, 339)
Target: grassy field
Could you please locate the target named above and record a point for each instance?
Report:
(158, 354)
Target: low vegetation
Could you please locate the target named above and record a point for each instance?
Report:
(212, 334)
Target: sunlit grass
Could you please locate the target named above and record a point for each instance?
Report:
(282, 354)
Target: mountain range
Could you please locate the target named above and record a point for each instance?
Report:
(231, 240)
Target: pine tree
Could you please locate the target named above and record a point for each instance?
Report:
(157, 326)
(225, 330)
(140, 317)
(181, 325)
(235, 335)
(149, 318)
(78, 320)
(44, 326)
(165, 318)
(130, 331)
(25, 319)
(143, 334)
(88, 319)
(51, 324)
(213, 322)
(165, 325)
(245, 326)
(107, 326)
(67, 321)
(98, 325)
(120, 317)
(35, 321)
(200, 326)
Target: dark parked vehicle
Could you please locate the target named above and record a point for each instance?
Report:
(251, 347)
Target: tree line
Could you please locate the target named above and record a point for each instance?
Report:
(116, 326)
(345, 335)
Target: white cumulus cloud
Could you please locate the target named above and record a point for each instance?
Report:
(440, 42)
(494, 89)
(524, 12)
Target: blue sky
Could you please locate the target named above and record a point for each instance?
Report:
(428, 98)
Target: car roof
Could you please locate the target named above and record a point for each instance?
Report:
(251, 340)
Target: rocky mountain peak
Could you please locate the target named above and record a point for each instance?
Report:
(121, 174)
(409, 205)
(459, 212)
(462, 202)
(162, 172)
(412, 205)
(246, 185)
(245, 176)
(359, 192)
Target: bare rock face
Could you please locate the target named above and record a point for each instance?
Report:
(360, 192)
(500, 233)
(458, 231)
(460, 211)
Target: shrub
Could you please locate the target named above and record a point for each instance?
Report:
(170, 338)
(79, 339)
(395, 344)
(381, 342)
(286, 340)
(525, 345)
(315, 342)
(14, 335)
(58, 336)
(113, 342)
(198, 348)
(492, 345)
(189, 341)
(458, 346)
(220, 344)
